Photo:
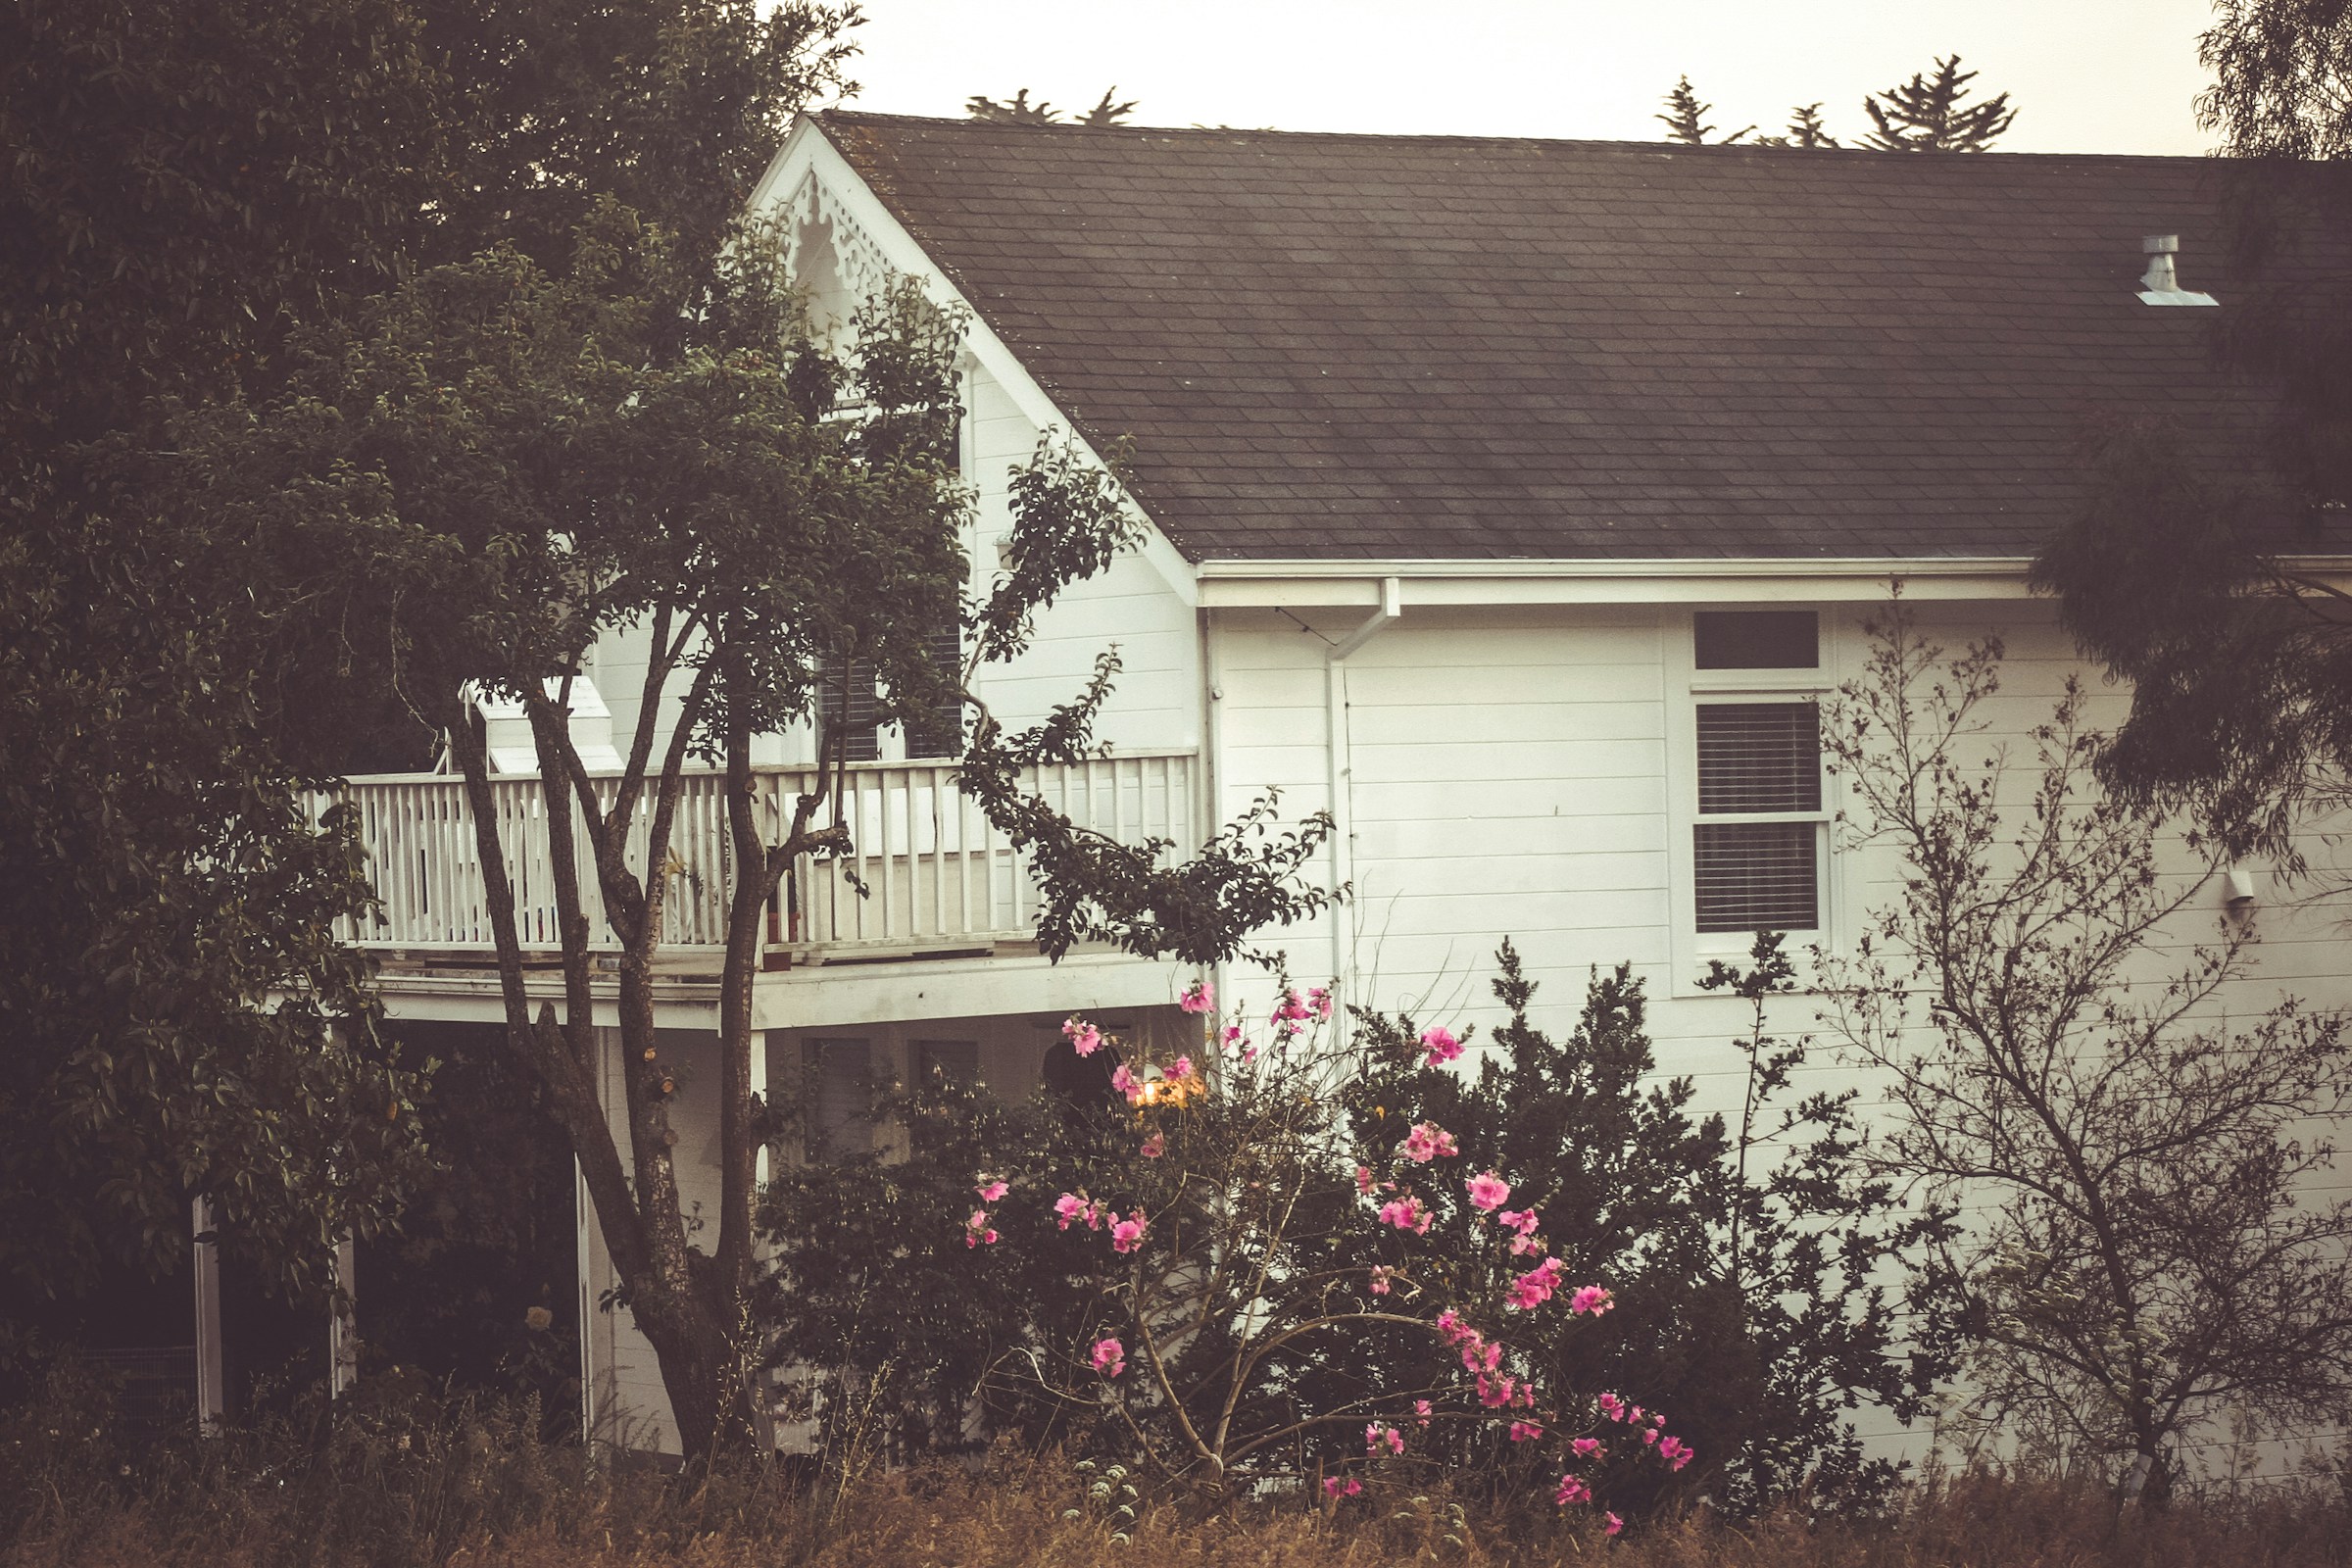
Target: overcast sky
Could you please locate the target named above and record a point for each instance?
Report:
(2085, 76)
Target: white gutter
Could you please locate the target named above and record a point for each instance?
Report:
(1305, 584)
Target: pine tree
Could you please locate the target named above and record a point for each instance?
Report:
(1105, 111)
(1016, 109)
(1685, 117)
(1923, 116)
(1805, 129)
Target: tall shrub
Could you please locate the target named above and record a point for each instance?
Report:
(1749, 1260)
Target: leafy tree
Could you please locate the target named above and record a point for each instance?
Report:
(184, 183)
(2144, 1250)
(1925, 115)
(199, 200)
(1747, 1298)
(1017, 110)
(2178, 571)
(649, 441)
(1685, 117)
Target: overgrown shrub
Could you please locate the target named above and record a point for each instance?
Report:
(1748, 1260)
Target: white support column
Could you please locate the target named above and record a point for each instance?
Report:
(210, 1368)
(342, 1322)
(759, 1088)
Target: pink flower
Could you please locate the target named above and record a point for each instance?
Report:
(1611, 1406)
(977, 1232)
(1199, 999)
(1111, 1357)
(1649, 1437)
(1589, 1299)
(1084, 1038)
(1534, 1287)
(1127, 1083)
(1676, 1453)
(1334, 1488)
(1380, 1280)
(1232, 1034)
(1180, 1069)
(1495, 1392)
(1615, 1524)
(1408, 1213)
(1586, 1447)
(1572, 1490)
(1155, 1145)
(1071, 1207)
(1363, 1181)
(991, 1187)
(1488, 1191)
(1525, 1431)
(1449, 1324)
(1421, 1411)
(1441, 1045)
(1318, 1002)
(1377, 1437)
(1127, 1234)
(1427, 1142)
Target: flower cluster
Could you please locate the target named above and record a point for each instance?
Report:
(1378, 1436)
(1406, 1212)
(1127, 1232)
(1084, 1038)
(977, 1231)
(1441, 1043)
(1427, 1142)
(1488, 1191)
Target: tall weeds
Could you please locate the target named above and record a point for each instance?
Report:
(405, 1479)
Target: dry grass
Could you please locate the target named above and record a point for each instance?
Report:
(422, 1486)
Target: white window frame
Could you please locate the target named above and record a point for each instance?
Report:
(1687, 689)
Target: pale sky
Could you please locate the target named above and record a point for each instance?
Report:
(2085, 76)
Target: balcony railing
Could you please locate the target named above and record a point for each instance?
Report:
(934, 873)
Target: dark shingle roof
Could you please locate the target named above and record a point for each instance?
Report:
(1410, 346)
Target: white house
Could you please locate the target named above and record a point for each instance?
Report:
(1507, 498)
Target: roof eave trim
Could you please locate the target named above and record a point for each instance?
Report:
(1432, 583)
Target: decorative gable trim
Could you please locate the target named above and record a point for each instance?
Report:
(811, 180)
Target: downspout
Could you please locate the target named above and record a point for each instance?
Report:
(1343, 818)
(1207, 805)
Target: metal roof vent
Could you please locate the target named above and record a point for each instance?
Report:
(2160, 284)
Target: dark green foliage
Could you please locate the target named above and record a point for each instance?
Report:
(2178, 571)
(1926, 114)
(1751, 1303)
(1685, 117)
(189, 187)
(486, 1238)
(888, 1322)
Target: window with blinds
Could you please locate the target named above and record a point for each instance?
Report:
(838, 1085)
(1757, 843)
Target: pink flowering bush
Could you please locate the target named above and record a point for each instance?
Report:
(1583, 1217)
(1228, 1341)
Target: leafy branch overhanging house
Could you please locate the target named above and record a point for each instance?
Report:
(1509, 499)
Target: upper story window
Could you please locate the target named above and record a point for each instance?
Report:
(1759, 835)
